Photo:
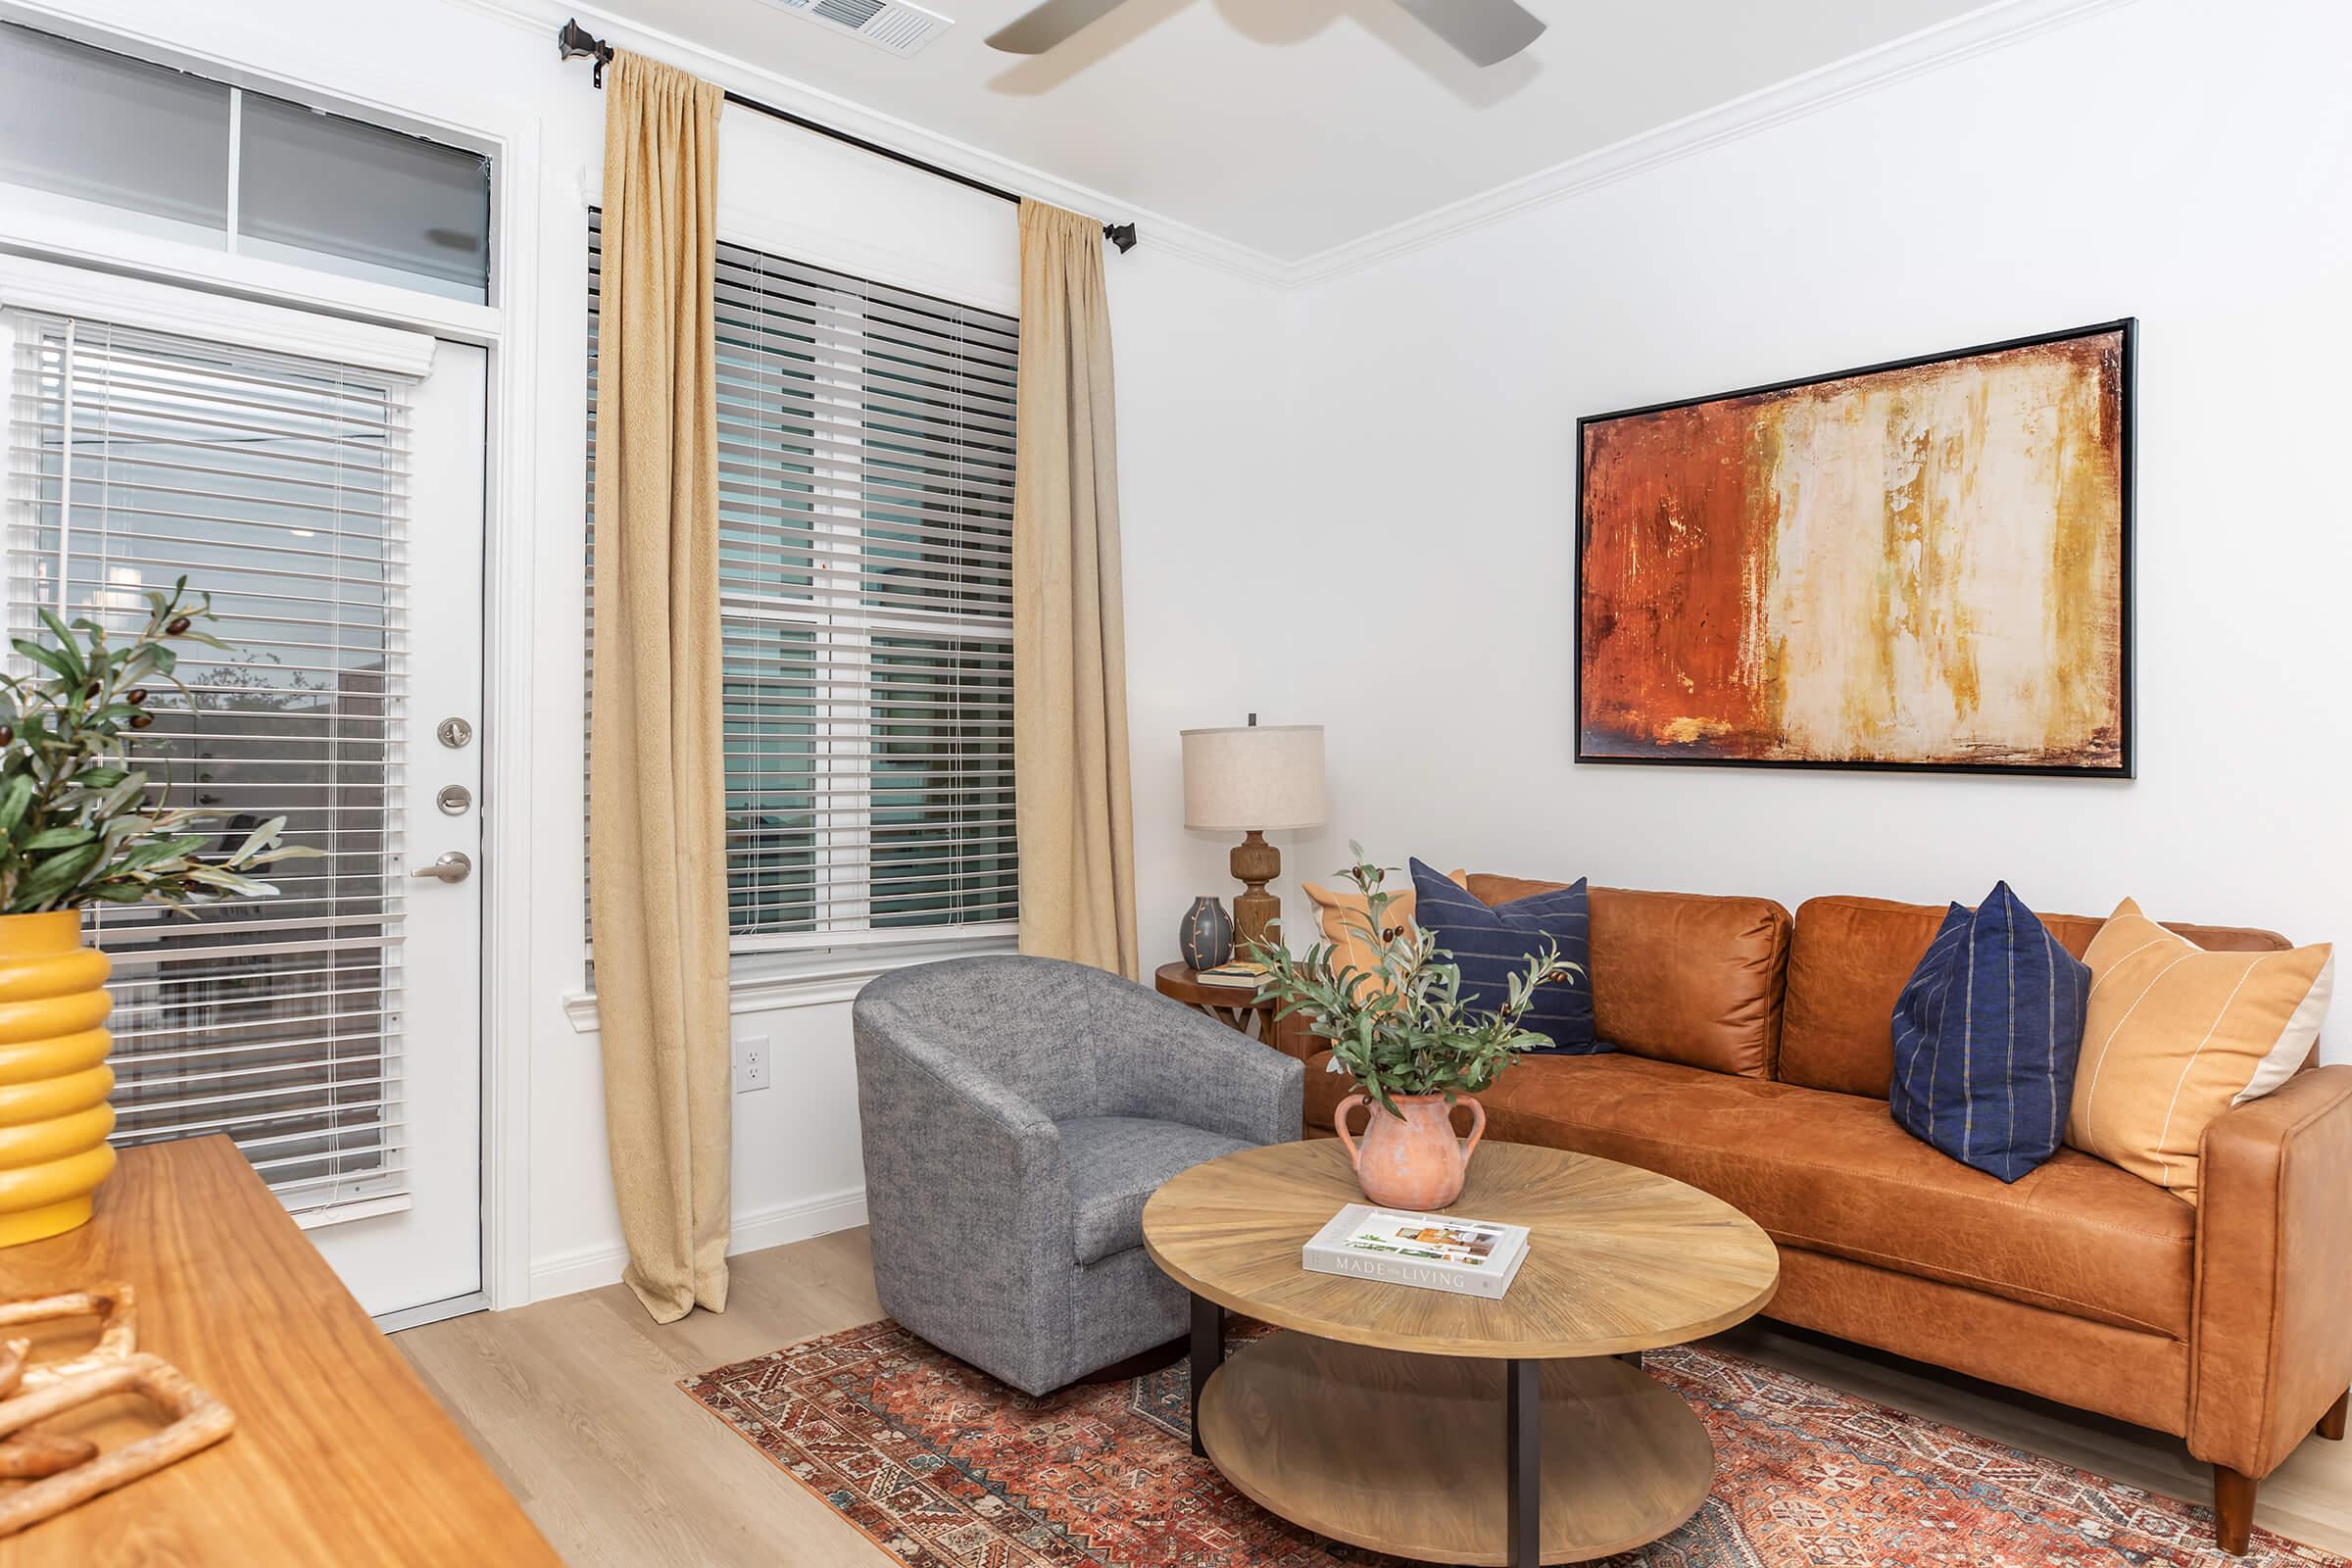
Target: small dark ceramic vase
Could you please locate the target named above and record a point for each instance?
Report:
(1206, 939)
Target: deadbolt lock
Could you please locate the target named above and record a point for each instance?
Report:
(455, 734)
(454, 799)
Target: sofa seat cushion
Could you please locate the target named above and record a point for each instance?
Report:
(1833, 1173)
(1114, 1164)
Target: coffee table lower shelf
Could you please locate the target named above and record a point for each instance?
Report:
(1410, 1455)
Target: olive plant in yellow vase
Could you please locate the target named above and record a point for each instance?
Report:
(81, 826)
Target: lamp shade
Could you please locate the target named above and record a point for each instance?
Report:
(1260, 776)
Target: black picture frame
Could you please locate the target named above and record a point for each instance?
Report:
(2128, 615)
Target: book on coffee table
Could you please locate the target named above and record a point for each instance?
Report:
(1429, 1251)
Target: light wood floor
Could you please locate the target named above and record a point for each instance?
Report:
(572, 1402)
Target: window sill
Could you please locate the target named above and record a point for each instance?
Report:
(771, 982)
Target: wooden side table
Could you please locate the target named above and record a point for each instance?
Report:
(1235, 1005)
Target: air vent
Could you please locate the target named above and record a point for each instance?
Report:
(891, 25)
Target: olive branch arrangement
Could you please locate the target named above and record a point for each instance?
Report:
(77, 824)
(1401, 1027)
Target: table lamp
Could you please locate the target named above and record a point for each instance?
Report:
(1253, 780)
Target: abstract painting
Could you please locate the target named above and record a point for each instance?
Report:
(1919, 565)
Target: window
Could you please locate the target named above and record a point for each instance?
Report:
(142, 146)
(277, 483)
(116, 132)
(865, 520)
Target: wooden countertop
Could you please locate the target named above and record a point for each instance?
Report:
(339, 1455)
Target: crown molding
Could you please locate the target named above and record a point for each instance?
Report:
(1964, 37)
(1993, 26)
(1160, 231)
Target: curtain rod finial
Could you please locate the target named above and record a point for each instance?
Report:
(1120, 234)
(575, 42)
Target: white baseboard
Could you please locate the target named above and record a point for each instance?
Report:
(591, 1267)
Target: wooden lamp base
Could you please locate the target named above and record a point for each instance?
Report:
(1256, 914)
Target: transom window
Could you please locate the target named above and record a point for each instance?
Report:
(92, 134)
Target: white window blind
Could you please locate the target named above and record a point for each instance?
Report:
(278, 484)
(865, 529)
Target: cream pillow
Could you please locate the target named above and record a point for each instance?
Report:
(2173, 1036)
(1345, 912)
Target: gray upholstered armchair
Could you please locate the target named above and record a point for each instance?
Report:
(1016, 1115)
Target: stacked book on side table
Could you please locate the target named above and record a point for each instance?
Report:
(1241, 975)
(1432, 1251)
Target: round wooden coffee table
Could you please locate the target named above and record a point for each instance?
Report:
(1450, 1428)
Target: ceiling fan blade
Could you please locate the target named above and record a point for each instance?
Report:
(1037, 31)
(1486, 32)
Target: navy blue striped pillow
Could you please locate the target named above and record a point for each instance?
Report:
(1489, 943)
(1986, 1035)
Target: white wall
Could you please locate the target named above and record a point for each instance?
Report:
(2187, 163)
(1193, 343)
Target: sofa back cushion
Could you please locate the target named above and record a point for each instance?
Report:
(1850, 958)
(1680, 977)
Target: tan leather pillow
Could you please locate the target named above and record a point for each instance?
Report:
(1344, 914)
(2175, 1035)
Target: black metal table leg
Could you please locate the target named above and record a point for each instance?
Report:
(1208, 1353)
(1523, 1421)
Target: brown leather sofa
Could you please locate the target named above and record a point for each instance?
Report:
(1753, 1061)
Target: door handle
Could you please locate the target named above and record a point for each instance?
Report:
(454, 866)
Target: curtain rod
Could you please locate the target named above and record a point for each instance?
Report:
(575, 42)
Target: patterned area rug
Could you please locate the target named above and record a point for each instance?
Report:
(944, 1467)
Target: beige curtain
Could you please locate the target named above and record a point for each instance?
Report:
(657, 871)
(1069, 645)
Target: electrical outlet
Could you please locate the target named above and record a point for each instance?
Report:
(751, 1063)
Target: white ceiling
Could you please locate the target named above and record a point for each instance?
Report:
(1291, 127)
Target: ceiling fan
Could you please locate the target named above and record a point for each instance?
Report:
(1486, 32)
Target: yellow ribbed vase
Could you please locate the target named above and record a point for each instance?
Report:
(54, 1079)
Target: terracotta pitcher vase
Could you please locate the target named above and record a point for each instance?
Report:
(1412, 1162)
